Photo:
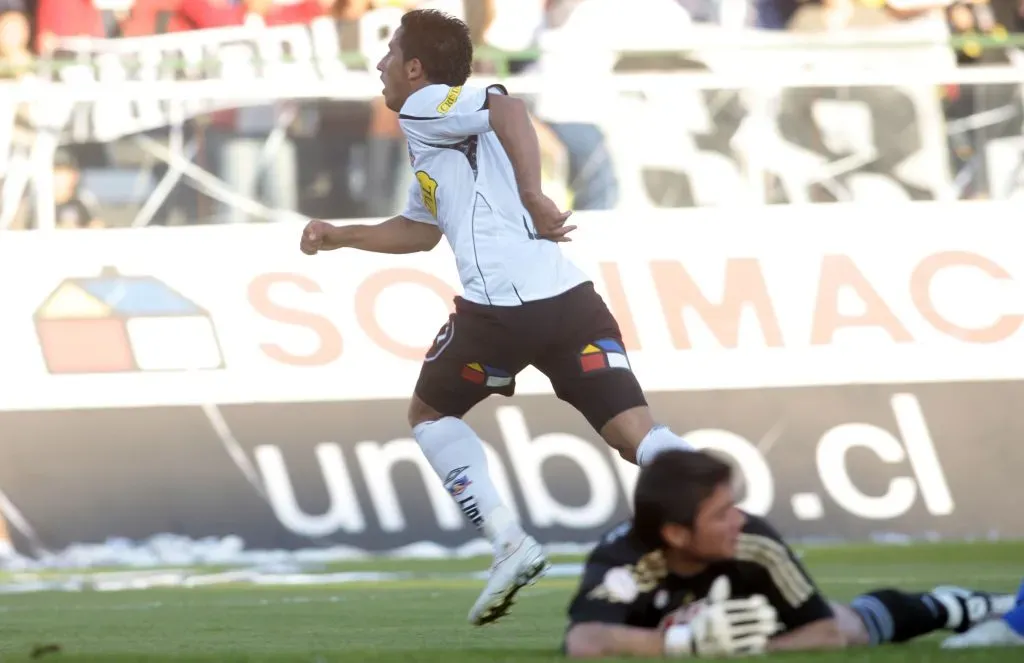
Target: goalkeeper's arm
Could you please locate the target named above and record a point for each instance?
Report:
(597, 640)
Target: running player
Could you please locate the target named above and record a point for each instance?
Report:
(477, 182)
(691, 575)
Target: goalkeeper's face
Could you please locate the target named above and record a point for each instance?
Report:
(716, 529)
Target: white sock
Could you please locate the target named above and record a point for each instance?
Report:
(457, 455)
(659, 439)
(954, 609)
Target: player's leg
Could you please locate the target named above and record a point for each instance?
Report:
(590, 370)
(469, 361)
(893, 616)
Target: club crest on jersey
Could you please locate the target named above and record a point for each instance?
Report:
(449, 101)
(457, 482)
(620, 585)
(428, 191)
(441, 341)
(488, 376)
(602, 355)
(623, 584)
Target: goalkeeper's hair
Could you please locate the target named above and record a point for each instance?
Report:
(672, 488)
(440, 42)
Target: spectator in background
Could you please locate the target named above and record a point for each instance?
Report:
(969, 142)
(66, 18)
(570, 103)
(224, 13)
(75, 206)
(15, 57)
(151, 17)
(237, 139)
(16, 132)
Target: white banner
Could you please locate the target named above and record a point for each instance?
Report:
(784, 296)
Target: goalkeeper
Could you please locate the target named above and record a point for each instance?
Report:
(691, 575)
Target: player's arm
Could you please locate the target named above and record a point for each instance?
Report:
(414, 230)
(806, 615)
(599, 614)
(822, 634)
(396, 235)
(511, 123)
(596, 640)
(510, 120)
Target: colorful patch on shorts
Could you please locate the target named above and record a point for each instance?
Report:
(487, 376)
(602, 355)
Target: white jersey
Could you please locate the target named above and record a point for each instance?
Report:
(465, 186)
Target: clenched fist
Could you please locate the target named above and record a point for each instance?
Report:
(313, 236)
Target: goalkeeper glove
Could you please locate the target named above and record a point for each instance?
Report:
(724, 627)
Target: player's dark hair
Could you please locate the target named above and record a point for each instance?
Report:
(672, 488)
(440, 42)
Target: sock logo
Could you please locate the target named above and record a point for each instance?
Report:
(457, 482)
(468, 506)
(977, 608)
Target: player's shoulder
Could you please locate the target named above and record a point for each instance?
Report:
(760, 543)
(619, 547)
(437, 101)
(624, 566)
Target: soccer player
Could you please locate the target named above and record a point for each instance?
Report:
(1005, 632)
(477, 183)
(691, 575)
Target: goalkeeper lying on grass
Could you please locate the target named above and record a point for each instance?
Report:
(691, 575)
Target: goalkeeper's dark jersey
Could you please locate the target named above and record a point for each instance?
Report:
(627, 583)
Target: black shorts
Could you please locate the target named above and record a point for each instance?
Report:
(572, 338)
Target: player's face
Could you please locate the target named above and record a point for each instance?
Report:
(716, 531)
(394, 73)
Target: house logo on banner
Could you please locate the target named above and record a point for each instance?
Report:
(114, 323)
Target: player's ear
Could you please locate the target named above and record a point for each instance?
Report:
(676, 536)
(413, 68)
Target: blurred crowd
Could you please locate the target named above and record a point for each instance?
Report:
(352, 153)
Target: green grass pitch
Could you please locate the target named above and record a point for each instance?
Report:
(423, 619)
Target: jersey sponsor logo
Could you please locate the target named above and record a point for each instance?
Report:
(428, 191)
(488, 376)
(602, 355)
(449, 101)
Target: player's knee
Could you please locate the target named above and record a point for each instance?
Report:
(420, 412)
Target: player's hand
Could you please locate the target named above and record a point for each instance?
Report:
(548, 219)
(723, 626)
(313, 236)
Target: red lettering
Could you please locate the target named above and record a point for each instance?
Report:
(619, 305)
(837, 272)
(366, 306)
(744, 287)
(920, 291)
(330, 345)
